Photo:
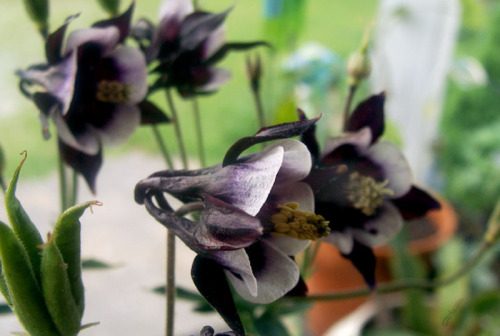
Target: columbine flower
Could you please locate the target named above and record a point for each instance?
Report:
(254, 215)
(363, 187)
(187, 45)
(91, 89)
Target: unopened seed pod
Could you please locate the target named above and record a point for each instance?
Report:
(57, 291)
(26, 296)
(22, 225)
(67, 240)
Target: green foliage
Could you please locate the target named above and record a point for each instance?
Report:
(38, 12)
(470, 154)
(42, 282)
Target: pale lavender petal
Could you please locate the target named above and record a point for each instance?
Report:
(381, 228)
(86, 142)
(131, 67)
(342, 240)
(246, 185)
(175, 8)
(214, 42)
(124, 121)
(223, 226)
(57, 80)
(275, 272)
(394, 165)
(360, 139)
(296, 160)
(238, 270)
(218, 77)
(105, 37)
(294, 192)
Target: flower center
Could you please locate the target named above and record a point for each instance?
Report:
(112, 92)
(365, 193)
(298, 224)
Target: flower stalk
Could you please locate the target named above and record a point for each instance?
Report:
(199, 131)
(163, 147)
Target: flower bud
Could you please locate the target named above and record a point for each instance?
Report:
(38, 11)
(110, 6)
(358, 67)
(358, 64)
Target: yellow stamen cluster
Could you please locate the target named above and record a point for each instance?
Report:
(367, 194)
(112, 92)
(298, 224)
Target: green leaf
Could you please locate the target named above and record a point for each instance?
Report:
(23, 227)
(27, 298)
(5, 309)
(487, 303)
(269, 324)
(95, 264)
(57, 293)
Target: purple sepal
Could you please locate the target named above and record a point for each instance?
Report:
(369, 113)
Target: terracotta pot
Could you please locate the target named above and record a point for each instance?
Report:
(335, 273)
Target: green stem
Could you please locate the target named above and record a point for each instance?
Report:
(259, 107)
(177, 128)
(63, 185)
(347, 108)
(199, 132)
(170, 285)
(405, 284)
(3, 186)
(163, 147)
(74, 190)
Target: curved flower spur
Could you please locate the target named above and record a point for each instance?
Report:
(91, 87)
(254, 216)
(363, 186)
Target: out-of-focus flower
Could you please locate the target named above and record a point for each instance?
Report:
(90, 88)
(363, 187)
(187, 45)
(254, 216)
(209, 331)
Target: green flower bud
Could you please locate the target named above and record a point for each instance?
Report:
(110, 6)
(358, 67)
(38, 11)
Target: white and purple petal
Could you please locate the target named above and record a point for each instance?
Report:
(106, 38)
(225, 227)
(394, 166)
(292, 192)
(381, 228)
(360, 140)
(122, 122)
(275, 273)
(131, 68)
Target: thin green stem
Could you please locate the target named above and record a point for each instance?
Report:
(63, 185)
(199, 132)
(3, 186)
(405, 284)
(163, 147)
(177, 128)
(170, 285)
(74, 190)
(347, 108)
(259, 107)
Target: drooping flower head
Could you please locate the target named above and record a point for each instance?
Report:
(363, 187)
(187, 44)
(90, 87)
(255, 214)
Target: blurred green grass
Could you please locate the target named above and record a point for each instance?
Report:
(226, 116)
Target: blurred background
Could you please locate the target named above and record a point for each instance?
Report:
(437, 61)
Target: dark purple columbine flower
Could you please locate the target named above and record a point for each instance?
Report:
(91, 88)
(364, 187)
(255, 215)
(187, 45)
